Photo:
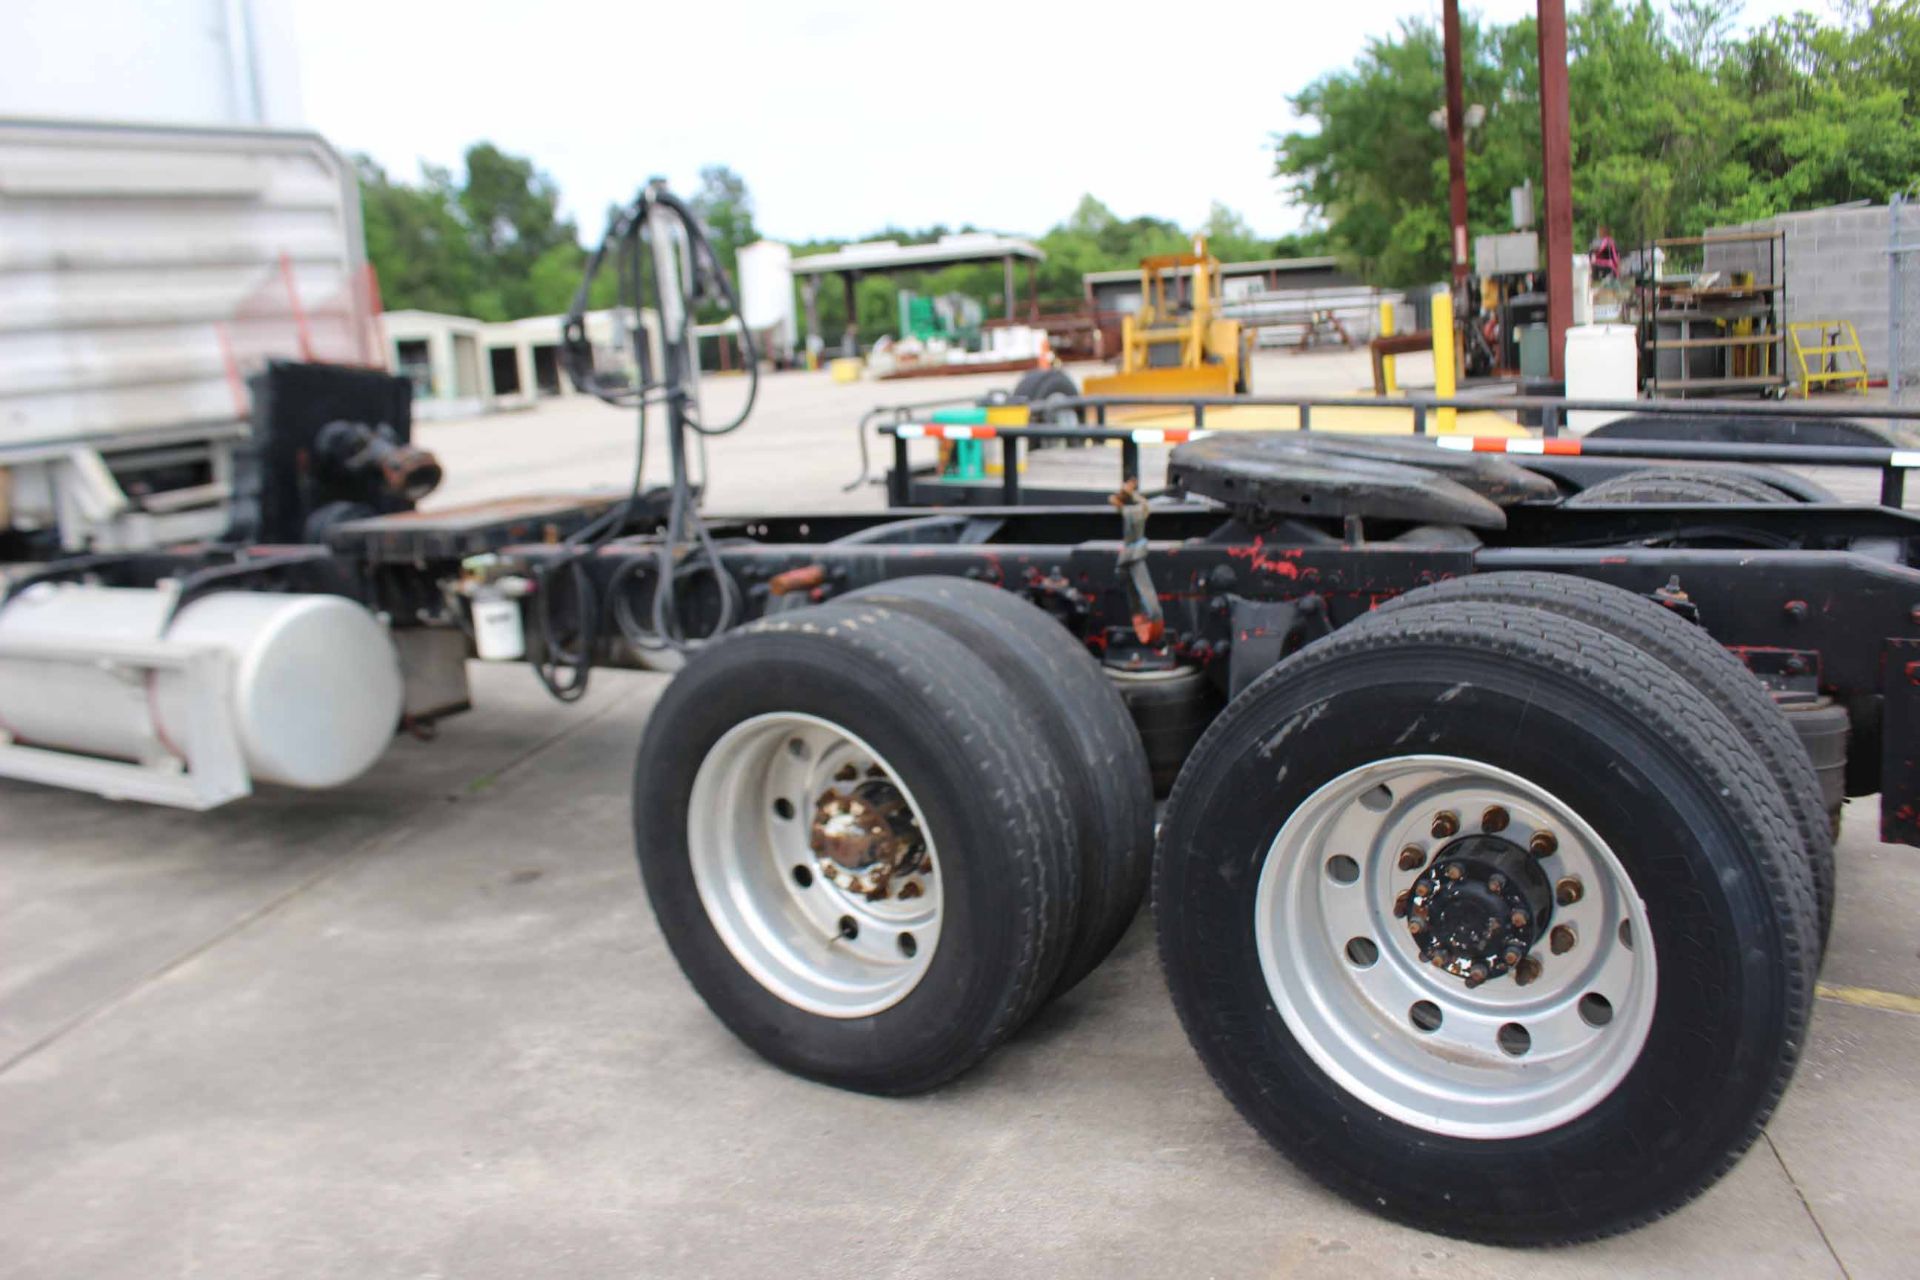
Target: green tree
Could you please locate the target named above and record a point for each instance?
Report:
(513, 216)
(1835, 112)
(492, 246)
(1230, 238)
(1373, 170)
(1311, 242)
(726, 207)
(1676, 125)
(1090, 238)
(417, 240)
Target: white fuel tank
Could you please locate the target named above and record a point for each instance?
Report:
(313, 690)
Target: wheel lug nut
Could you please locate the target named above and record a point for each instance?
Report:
(1527, 970)
(1569, 891)
(1562, 939)
(1518, 919)
(1454, 871)
(1476, 975)
(1416, 926)
(1400, 904)
(1496, 882)
(1512, 958)
(1494, 819)
(1411, 857)
(1542, 844)
(1445, 823)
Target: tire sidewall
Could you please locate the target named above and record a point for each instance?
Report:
(1690, 1096)
(972, 970)
(1702, 662)
(1088, 731)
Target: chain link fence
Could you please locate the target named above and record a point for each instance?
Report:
(1903, 299)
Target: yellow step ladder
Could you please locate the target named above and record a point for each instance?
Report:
(1820, 363)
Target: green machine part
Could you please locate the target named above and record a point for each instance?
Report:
(918, 319)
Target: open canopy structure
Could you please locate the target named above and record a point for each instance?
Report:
(886, 257)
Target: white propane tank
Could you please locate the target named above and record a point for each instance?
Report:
(313, 695)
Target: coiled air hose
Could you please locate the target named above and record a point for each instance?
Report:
(662, 258)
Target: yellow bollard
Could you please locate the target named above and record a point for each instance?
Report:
(1391, 387)
(1443, 357)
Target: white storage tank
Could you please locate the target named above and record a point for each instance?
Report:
(1603, 363)
(766, 294)
(309, 694)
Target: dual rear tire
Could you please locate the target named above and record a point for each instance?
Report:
(1497, 910)
(879, 835)
(1491, 919)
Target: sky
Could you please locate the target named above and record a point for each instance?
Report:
(845, 118)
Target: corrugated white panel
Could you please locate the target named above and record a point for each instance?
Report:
(126, 250)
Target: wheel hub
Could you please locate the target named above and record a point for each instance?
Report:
(1478, 908)
(815, 864)
(1439, 1045)
(865, 839)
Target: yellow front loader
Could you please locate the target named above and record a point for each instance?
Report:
(1178, 343)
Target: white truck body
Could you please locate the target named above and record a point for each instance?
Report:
(144, 271)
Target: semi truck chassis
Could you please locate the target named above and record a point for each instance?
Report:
(1485, 789)
(1074, 659)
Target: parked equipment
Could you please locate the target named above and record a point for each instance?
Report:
(1827, 356)
(1178, 343)
(1493, 891)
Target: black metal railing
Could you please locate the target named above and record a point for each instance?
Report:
(904, 423)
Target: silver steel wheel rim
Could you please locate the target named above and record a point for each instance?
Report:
(794, 919)
(1354, 1016)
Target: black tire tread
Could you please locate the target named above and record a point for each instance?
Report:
(1089, 735)
(1561, 648)
(1676, 484)
(1699, 659)
(924, 664)
(1023, 764)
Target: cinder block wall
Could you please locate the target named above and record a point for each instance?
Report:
(1837, 269)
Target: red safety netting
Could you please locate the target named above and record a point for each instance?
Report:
(273, 322)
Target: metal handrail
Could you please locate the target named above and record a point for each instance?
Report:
(1694, 408)
(1892, 462)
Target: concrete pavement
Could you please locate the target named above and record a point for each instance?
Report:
(425, 1026)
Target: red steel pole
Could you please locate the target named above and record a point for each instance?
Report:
(1557, 159)
(1456, 152)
